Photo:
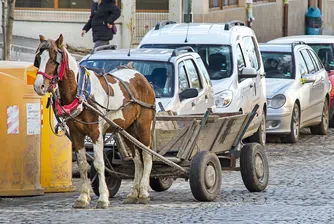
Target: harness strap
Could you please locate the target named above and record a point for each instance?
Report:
(133, 99)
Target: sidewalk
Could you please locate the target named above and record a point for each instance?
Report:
(25, 48)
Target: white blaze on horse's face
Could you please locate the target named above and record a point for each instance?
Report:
(39, 85)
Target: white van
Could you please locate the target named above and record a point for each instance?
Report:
(231, 55)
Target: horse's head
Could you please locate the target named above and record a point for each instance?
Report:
(50, 61)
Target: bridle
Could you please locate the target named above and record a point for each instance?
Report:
(61, 62)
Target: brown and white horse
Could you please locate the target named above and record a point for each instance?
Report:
(58, 68)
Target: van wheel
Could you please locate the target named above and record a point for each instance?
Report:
(260, 135)
(322, 128)
(294, 127)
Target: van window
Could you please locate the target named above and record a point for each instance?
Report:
(204, 71)
(252, 52)
(216, 58)
(316, 60)
(193, 75)
(183, 79)
(240, 60)
(159, 74)
(325, 53)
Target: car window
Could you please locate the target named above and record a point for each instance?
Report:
(204, 71)
(309, 63)
(302, 65)
(278, 65)
(193, 74)
(240, 60)
(316, 60)
(252, 52)
(183, 79)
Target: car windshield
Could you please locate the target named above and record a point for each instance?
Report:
(325, 53)
(217, 58)
(278, 65)
(159, 74)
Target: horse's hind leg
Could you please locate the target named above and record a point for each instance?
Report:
(84, 198)
(132, 198)
(103, 201)
(144, 131)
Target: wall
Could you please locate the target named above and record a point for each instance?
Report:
(297, 11)
(51, 24)
(268, 22)
(328, 17)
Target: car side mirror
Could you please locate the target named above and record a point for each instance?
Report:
(307, 80)
(188, 94)
(248, 73)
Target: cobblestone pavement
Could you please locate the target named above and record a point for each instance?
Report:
(301, 190)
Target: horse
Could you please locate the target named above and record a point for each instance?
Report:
(123, 95)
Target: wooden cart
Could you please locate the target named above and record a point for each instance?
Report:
(194, 147)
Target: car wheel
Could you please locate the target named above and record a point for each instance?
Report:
(322, 128)
(260, 135)
(294, 127)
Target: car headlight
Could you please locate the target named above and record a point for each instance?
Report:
(277, 101)
(224, 98)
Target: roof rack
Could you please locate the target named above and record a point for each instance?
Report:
(177, 52)
(163, 23)
(104, 47)
(295, 43)
(233, 23)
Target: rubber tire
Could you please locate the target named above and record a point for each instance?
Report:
(197, 176)
(257, 136)
(248, 167)
(113, 182)
(161, 184)
(322, 128)
(291, 137)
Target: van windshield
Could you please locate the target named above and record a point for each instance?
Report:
(159, 74)
(325, 53)
(216, 58)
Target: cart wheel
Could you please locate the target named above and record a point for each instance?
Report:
(113, 182)
(254, 167)
(205, 176)
(160, 184)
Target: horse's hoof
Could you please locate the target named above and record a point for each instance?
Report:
(143, 200)
(102, 205)
(130, 200)
(80, 204)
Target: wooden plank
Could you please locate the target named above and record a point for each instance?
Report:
(187, 138)
(208, 134)
(185, 118)
(188, 150)
(171, 143)
(121, 146)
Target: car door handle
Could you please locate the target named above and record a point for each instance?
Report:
(193, 104)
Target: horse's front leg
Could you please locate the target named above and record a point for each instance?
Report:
(103, 201)
(84, 198)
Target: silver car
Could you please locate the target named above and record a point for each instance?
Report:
(297, 90)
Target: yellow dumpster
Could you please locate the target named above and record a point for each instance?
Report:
(56, 152)
(56, 156)
(20, 128)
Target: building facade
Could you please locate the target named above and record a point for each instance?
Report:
(52, 17)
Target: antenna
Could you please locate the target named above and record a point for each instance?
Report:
(186, 40)
(133, 30)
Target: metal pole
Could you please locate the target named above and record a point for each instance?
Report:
(285, 18)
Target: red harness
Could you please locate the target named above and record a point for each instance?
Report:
(65, 110)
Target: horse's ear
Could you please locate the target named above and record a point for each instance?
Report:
(130, 64)
(41, 38)
(60, 41)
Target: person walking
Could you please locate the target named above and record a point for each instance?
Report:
(104, 13)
